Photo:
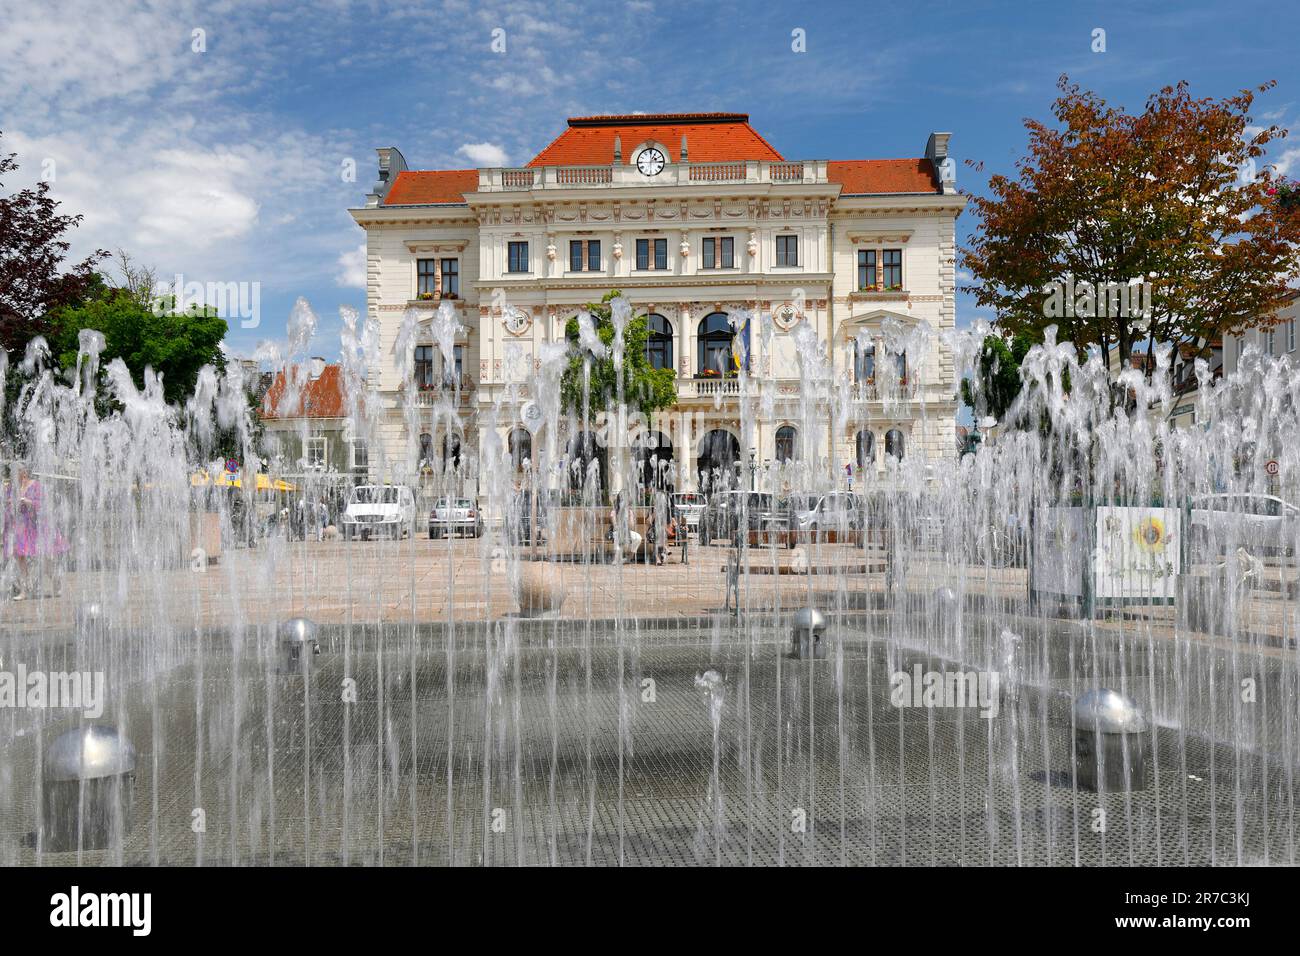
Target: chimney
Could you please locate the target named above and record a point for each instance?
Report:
(317, 367)
(391, 162)
(936, 151)
(618, 150)
(684, 153)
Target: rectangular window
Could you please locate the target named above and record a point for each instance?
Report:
(717, 252)
(787, 250)
(644, 248)
(866, 269)
(360, 454)
(451, 277)
(892, 260)
(1290, 335)
(314, 451)
(1269, 341)
(584, 255)
(518, 257)
(458, 356)
(427, 272)
(423, 366)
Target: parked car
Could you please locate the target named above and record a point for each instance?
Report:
(727, 509)
(1252, 521)
(451, 515)
(376, 510)
(690, 507)
(838, 511)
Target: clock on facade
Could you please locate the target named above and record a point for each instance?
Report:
(650, 161)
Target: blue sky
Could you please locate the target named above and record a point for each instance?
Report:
(221, 154)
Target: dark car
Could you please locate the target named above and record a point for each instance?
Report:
(728, 510)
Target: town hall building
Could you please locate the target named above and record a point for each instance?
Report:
(693, 217)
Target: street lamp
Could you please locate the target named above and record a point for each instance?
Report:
(752, 457)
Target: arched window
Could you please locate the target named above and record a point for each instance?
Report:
(864, 361)
(901, 359)
(714, 335)
(521, 447)
(866, 449)
(426, 449)
(659, 347)
(785, 436)
(450, 451)
(894, 443)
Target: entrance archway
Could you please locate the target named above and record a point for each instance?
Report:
(654, 454)
(716, 466)
(583, 450)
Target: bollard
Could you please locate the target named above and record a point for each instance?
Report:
(89, 787)
(1110, 742)
(945, 611)
(809, 628)
(91, 618)
(298, 645)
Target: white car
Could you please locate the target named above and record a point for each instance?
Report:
(1244, 520)
(386, 510)
(839, 511)
(689, 508)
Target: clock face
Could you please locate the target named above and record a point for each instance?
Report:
(650, 161)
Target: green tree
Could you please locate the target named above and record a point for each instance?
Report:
(645, 388)
(997, 383)
(174, 344)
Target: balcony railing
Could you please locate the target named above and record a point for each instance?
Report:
(675, 174)
(515, 178)
(584, 175)
(873, 391)
(708, 387)
(427, 396)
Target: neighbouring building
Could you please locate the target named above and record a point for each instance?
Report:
(691, 216)
(305, 423)
(1276, 339)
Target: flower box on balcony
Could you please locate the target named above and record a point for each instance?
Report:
(425, 296)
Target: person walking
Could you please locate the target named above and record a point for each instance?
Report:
(30, 538)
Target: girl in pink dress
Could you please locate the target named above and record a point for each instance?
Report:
(29, 534)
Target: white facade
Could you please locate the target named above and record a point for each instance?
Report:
(757, 205)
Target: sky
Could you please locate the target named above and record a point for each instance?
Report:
(225, 141)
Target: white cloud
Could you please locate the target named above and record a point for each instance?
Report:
(352, 268)
(484, 154)
(1288, 162)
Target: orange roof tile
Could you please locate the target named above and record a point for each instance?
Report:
(710, 138)
(317, 398)
(866, 176)
(414, 187)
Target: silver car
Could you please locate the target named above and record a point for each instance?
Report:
(450, 515)
(840, 511)
(1254, 522)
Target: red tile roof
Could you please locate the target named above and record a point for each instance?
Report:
(864, 176)
(317, 398)
(710, 138)
(431, 186)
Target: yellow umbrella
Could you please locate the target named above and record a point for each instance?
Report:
(229, 479)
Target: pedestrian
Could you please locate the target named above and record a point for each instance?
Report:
(30, 537)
